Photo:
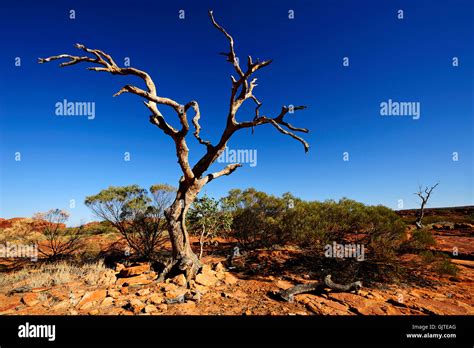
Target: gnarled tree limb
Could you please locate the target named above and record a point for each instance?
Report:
(106, 63)
(289, 294)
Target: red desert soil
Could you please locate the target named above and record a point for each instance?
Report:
(132, 289)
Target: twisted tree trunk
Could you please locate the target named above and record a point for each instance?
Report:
(184, 260)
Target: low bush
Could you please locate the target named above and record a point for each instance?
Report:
(446, 267)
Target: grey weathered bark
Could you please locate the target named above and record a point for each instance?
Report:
(288, 294)
(195, 177)
(424, 196)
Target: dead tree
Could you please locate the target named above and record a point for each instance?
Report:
(288, 294)
(194, 177)
(424, 196)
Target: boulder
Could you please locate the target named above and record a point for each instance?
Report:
(90, 297)
(283, 284)
(188, 307)
(201, 288)
(179, 280)
(207, 270)
(150, 309)
(230, 279)
(155, 299)
(219, 267)
(141, 279)
(114, 293)
(206, 279)
(107, 302)
(167, 287)
(135, 305)
(175, 294)
(61, 306)
(134, 270)
(30, 299)
(60, 294)
(163, 307)
(143, 292)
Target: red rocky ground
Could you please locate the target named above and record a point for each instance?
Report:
(133, 290)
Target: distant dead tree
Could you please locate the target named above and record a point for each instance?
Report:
(424, 196)
(194, 177)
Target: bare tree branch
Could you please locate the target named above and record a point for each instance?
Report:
(197, 115)
(231, 57)
(278, 122)
(247, 93)
(229, 169)
(107, 64)
(237, 99)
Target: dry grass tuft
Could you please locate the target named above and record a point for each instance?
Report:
(46, 275)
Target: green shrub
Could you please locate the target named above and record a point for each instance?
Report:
(422, 238)
(427, 256)
(102, 228)
(446, 267)
(261, 219)
(384, 232)
(256, 217)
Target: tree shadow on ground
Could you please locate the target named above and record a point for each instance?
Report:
(308, 265)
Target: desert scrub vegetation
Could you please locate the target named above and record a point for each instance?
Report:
(256, 216)
(102, 228)
(57, 273)
(421, 239)
(138, 215)
(48, 231)
(260, 220)
(446, 267)
(440, 262)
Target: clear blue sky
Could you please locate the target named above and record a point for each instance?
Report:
(64, 158)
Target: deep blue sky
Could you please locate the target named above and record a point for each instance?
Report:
(67, 158)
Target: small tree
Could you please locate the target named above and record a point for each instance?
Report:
(138, 217)
(207, 219)
(60, 241)
(424, 196)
